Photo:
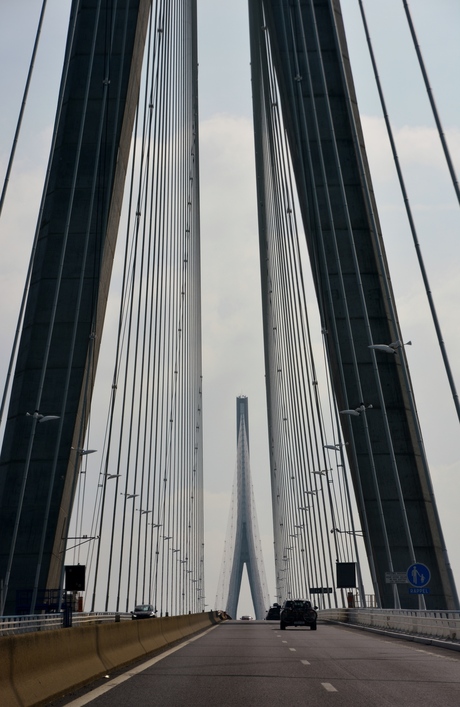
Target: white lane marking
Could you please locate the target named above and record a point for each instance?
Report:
(305, 662)
(436, 655)
(283, 641)
(292, 649)
(98, 691)
(422, 650)
(327, 686)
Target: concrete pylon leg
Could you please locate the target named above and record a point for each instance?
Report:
(247, 541)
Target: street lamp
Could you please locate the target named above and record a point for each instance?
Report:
(358, 533)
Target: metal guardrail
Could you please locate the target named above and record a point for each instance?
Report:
(11, 625)
(443, 625)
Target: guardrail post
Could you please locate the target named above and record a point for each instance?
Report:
(67, 615)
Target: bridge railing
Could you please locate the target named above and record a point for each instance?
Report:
(10, 625)
(444, 625)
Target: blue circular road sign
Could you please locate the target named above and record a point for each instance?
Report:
(418, 575)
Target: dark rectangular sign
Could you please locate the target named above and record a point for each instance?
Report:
(75, 578)
(346, 575)
(320, 590)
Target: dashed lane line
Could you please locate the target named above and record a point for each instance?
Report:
(328, 687)
(292, 649)
(305, 662)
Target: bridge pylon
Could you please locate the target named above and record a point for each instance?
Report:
(244, 531)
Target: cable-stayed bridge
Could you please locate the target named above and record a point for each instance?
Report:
(146, 525)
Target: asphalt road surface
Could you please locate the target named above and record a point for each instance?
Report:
(254, 664)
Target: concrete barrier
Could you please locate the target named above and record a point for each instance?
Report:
(47, 663)
(7, 691)
(119, 643)
(151, 640)
(37, 667)
(172, 626)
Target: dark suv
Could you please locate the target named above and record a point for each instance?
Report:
(298, 612)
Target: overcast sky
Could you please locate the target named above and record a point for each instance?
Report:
(232, 325)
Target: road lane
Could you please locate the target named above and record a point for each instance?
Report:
(240, 664)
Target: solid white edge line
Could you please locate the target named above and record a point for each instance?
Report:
(102, 689)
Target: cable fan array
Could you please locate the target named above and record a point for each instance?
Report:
(357, 309)
(312, 510)
(147, 517)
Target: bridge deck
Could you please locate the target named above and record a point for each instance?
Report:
(254, 663)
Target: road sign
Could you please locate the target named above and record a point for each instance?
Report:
(418, 575)
(320, 590)
(396, 577)
(419, 590)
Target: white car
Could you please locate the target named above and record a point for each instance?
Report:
(247, 618)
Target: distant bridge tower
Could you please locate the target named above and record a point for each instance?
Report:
(243, 533)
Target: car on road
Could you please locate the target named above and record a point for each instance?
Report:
(246, 617)
(273, 614)
(298, 612)
(143, 611)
